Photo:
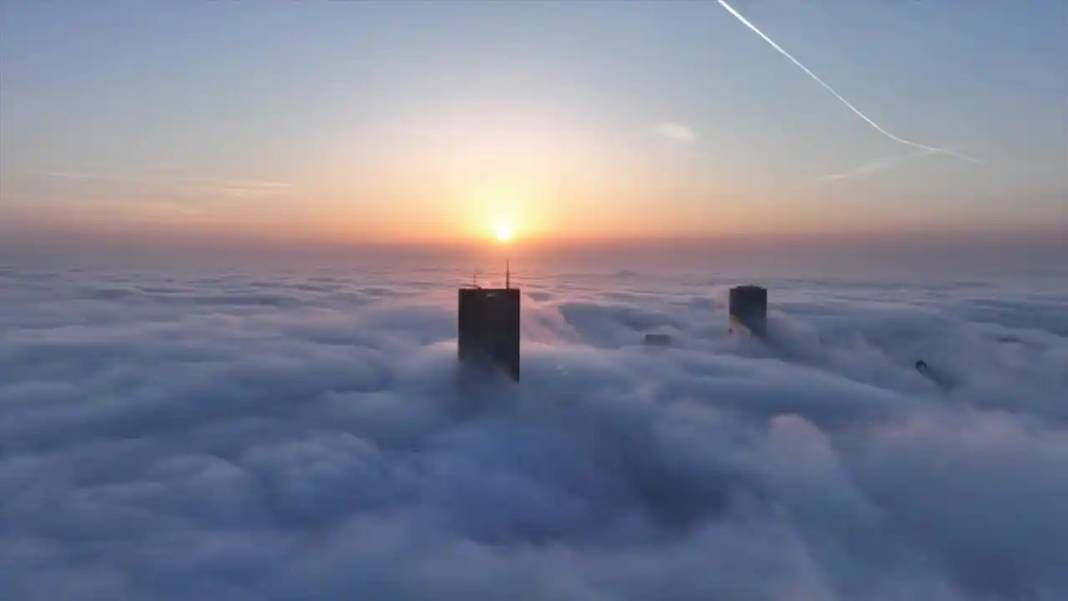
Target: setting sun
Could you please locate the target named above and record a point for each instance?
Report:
(503, 232)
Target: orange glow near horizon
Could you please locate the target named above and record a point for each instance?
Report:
(535, 186)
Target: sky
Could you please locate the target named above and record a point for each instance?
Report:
(349, 123)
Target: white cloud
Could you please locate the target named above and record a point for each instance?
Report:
(675, 132)
(201, 437)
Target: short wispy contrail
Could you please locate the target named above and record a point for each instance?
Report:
(875, 166)
(841, 99)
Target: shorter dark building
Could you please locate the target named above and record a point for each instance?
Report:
(936, 376)
(749, 307)
(657, 340)
(489, 327)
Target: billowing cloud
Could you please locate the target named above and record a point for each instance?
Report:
(172, 436)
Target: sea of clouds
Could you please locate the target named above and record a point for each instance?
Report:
(310, 436)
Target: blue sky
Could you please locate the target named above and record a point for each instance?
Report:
(362, 121)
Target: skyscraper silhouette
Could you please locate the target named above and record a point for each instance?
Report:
(489, 328)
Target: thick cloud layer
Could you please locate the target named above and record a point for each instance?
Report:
(235, 437)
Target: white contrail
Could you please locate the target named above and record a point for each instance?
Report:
(827, 87)
(875, 166)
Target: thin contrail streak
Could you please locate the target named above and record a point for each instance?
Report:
(875, 166)
(840, 98)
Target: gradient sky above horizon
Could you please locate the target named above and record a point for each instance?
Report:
(361, 122)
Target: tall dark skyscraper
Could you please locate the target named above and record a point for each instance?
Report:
(489, 327)
(749, 307)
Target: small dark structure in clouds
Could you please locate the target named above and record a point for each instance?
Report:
(489, 327)
(657, 340)
(749, 307)
(936, 376)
